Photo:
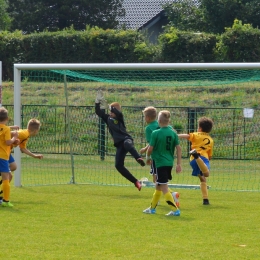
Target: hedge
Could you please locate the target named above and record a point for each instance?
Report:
(94, 45)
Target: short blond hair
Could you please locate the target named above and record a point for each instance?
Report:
(164, 116)
(116, 105)
(151, 112)
(33, 124)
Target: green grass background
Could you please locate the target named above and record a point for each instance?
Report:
(71, 221)
(104, 222)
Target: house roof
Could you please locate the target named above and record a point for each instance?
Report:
(140, 12)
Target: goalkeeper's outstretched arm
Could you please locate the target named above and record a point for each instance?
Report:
(100, 112)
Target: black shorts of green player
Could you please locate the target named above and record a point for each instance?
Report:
(164, 174)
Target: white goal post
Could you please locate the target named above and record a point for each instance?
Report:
(103, 66)
(1, 87)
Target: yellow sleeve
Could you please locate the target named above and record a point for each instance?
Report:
(23, 135)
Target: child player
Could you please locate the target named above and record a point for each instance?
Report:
(123, 141)
(163, 143)
(150, 114)
(5, 149)
(201, 153)
(33, 127)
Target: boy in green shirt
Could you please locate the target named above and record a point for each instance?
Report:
(163, 143)
(150, 114)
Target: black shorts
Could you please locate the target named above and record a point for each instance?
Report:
(164, 174)
(153, 168)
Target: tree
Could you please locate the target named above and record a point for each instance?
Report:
(5, 20)
(185, 15)
(239, 43)
(39, 15)
(212, 15)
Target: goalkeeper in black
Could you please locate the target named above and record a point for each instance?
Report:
(123, 141)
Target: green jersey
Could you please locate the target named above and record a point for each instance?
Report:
(149, 129)
(164, 141)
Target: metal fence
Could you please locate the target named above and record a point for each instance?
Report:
(235, 133)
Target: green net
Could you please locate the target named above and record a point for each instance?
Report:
(77, 147)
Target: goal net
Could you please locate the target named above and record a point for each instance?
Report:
(77, 147)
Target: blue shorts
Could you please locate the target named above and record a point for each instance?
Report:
(195, 168)
(4, 165)
(11, 159)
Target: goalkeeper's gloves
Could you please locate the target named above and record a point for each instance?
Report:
(104, 104)
(99, 96)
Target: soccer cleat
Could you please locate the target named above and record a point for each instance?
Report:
(141, 161)
(194, 153)
(7, 204)
(176, 213)
(138, 185)
(205, 202)
(1, 201)
(149, 211)
(176, 196)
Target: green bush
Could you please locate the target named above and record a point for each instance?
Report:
(94, 45)
(239, 44)
(180, 46)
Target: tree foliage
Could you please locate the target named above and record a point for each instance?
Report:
(39, 15)
(5, 20)
(212, 15)
(239, 43)
(184, 15)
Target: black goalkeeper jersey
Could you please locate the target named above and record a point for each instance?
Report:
(116, 125)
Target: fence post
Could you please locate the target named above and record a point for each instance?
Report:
(191, 123)
(101, 138)
(1, 84)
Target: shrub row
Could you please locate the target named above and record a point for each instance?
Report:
(94, 45)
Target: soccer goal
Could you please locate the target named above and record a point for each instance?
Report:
(77, 147)
(1, 86)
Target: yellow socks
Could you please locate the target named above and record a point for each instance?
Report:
(156, 197)
(170, 201)
(204, 190)
(6, 190)
(203, 167)
(169, 191)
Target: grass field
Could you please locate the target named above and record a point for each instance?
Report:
(103, 218)
(104, 222)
